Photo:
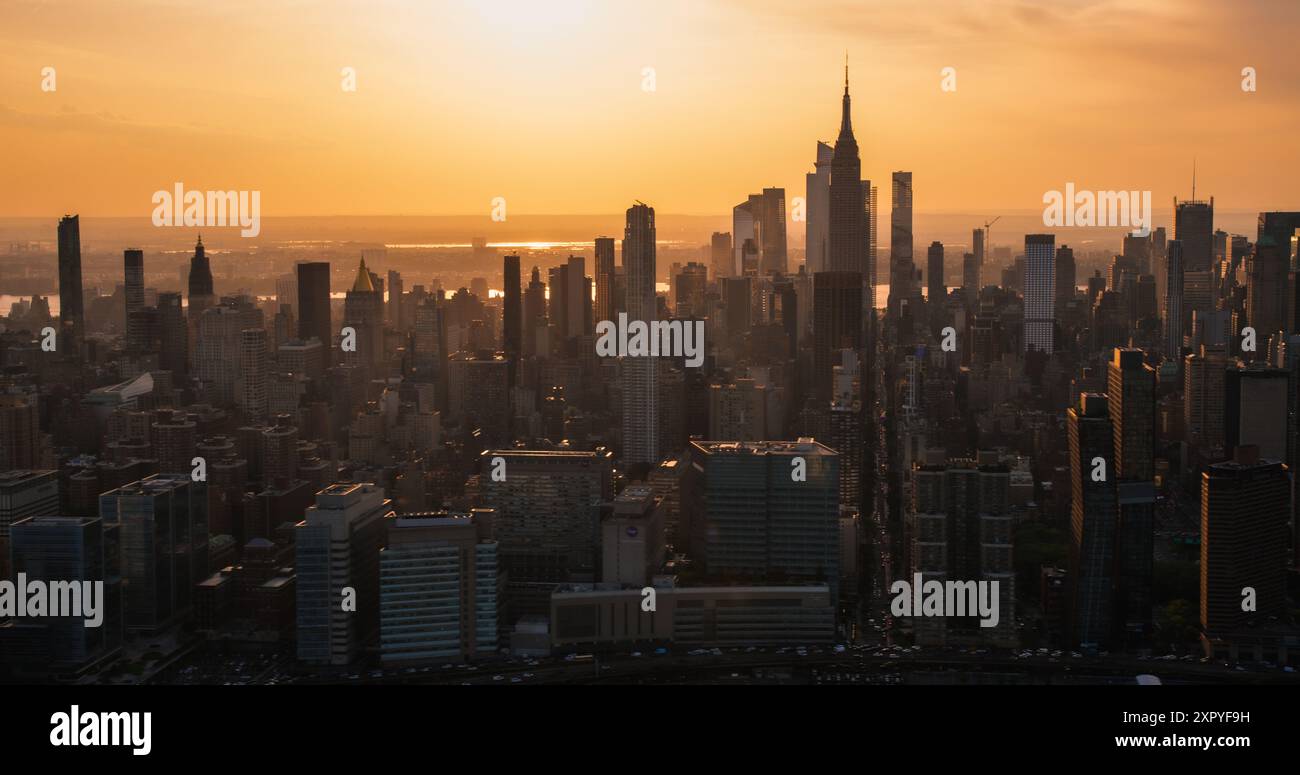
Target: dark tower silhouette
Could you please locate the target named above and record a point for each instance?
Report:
(72, 315)
(848, 214)
(314, 302)
(200, 272)
(513, 314)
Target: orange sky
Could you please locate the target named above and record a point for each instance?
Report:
(460, 101)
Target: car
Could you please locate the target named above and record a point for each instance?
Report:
(498, 678)
(636, 653)
(516, 680)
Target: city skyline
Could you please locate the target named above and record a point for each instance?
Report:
(1044, 445)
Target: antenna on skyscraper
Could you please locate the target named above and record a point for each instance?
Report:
(1193, 178)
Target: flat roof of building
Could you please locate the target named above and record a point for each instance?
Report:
(804, 446)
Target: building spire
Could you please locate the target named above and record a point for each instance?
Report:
(846, 123)
(363, 283)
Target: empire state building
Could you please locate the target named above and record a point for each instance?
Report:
(838, 292)
(848, 212)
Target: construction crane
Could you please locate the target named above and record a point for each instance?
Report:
(988, 225)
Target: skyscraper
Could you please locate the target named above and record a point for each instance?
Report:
(133, 271)
(1203, 391)
(871, 201)
(960, 521)
(902, 269)
(393, 309)
(1131, 389)
(534, 313)
(363, 311)
(936, 289)
(849, 237)
(1194, 228)
(478, 392)
(72, 314)
(59, 550)
(1040, 292)
(338, 547)
(1244, 514)
(1173, 301)
(439, 587)
(24, 493)
(1131, 385)
(1065, 276)
(605, 274)
(1268, 269)
(174, 436)
(837, 324)
(314, 302)
(20, 431)
(162, 524)
(1255, 407)
(689, 286)
(818, 202)
(251, 390)
(640, 383)
(200, 281)
(721, 260)
(578, 296)
(1093, 522)
(759, 234)
(773, 232)
(512, 312)
(751, 519)
(220, 336)
(548, 515)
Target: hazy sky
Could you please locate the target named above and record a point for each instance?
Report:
(541, 101)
